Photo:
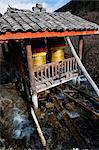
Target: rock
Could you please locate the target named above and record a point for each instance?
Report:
(70, 106)
(38, 112)
(49, 105)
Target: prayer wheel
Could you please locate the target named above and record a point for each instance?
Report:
(39, 57)
(57, 53)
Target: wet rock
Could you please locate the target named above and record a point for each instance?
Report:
(70, 106)
(21, 127)
(73, 114)
(49, 105)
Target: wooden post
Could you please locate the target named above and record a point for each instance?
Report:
(31, 75)
(82, 67)
(38, 127)
(80, 47)
(80, 50)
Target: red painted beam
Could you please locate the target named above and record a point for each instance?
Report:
(25, 35)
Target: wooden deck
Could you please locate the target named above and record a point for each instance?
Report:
(53, 74)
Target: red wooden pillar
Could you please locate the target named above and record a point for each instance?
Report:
(31, 75)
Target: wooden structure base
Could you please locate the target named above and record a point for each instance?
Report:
(53, 83)
(56, 73)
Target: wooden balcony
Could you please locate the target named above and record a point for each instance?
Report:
(53, 74)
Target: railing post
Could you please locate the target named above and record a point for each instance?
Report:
(31, 75)
(74, 64)
(70, 64)
(52, 71)
(65, 66)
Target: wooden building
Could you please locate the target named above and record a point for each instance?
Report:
(36, 42)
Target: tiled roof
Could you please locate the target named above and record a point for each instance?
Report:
(15, 20)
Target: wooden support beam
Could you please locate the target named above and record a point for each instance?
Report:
(80, 50)
(25, 35)
(31, 75)
(80, 47)
(38, 128)
(82, 66)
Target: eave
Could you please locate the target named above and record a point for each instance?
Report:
(29, 35)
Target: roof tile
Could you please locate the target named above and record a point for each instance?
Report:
(24, 20)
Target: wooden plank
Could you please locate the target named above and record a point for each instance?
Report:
(65, 66)
(70, 65)
(53, 71)
(57, 82)
(62, 67)
(45, 71)
(49, 72)
(41, 71)
(56, 71)
(73, 63)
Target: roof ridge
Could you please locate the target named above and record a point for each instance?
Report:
(14, 10)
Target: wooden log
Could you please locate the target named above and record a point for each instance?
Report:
(70, 125)
(80, 104)
(70, 91)
(38, 127)
(32, 76)
(82, 67)
(92, 98)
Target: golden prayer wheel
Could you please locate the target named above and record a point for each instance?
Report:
(57, 53)
(39, 57)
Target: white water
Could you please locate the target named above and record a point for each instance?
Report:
(21, 127)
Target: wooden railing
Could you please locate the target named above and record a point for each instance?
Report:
(55, 70)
